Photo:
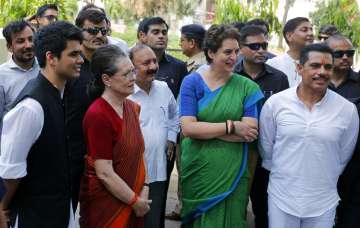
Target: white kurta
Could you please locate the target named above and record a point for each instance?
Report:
(287, 65)
(306, 151)
(159, 121)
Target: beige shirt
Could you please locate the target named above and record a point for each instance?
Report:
(196, 61)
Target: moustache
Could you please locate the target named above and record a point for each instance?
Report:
(28, 50)
(151, 71)
(320, 76)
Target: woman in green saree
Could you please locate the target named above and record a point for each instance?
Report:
(219, 116)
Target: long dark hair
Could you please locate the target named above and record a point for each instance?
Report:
(104, 61)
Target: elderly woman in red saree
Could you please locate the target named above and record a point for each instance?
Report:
(113, 192)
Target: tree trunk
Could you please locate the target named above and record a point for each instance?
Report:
(288, 4)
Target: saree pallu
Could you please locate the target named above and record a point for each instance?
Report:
(214, 175)
(98, 207)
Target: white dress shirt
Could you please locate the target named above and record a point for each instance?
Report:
(305, 150)
(287, 65)
(22, 124)
(159, 120)
(13, 79)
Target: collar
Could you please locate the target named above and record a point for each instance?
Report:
(267, 70)
(13, 65)
(137, 89)
(195, 58)
(297, 98)
(352, 75)
(165, 58)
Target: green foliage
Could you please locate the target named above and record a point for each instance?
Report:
(11, 10)
(228, 11)
(344, 14)
(130, 10)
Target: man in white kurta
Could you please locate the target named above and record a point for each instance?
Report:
(298, 33)
(307, 136)
(159, 121)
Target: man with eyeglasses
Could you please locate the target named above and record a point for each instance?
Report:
(253, 49)
(307, 136)
(94, 30)
(46, 14)
(344, 80)
(159, 120)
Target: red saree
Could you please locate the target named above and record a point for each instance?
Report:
(98, 207)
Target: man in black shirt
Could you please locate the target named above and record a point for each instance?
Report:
(253, 48)
(153, 32)
(93, 25)
(344, 80)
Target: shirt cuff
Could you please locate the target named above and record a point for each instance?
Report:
(13, 171)
(172, 136)
(266, 164)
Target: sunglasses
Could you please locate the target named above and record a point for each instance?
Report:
(51, 17)
(257, 46)
(322, 37)
(340, 54)
(94, 31)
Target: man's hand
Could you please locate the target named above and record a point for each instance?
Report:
(4, 217)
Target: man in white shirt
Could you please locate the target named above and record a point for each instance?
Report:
(19, 69)
(159, 121)
(34, 162)
(22, 66)
(307, 136)
(298, 33)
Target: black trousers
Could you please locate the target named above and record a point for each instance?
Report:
(348, 215)
(157, 193)
(77, 172)
(259, 196)
(169, 167)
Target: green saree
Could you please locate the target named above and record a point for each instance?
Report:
(214, 174)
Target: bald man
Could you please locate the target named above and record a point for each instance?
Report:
(344, 80)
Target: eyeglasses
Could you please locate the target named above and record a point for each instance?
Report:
(340, 54)
(51, 17)
(94, 31)
(257, 46)
(322, 37)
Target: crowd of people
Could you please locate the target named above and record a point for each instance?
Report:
(89, 124)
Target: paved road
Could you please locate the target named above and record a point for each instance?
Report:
(171, 201)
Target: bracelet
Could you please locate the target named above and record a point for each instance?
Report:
(227, 128)
(133, 200)
(232, 127)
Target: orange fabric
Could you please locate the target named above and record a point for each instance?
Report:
(98, 207)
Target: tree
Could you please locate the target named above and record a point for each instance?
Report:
(17, 9)
(344, 14)
(228, 11)
(288, 5)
